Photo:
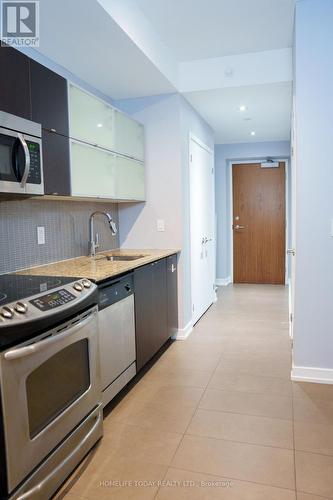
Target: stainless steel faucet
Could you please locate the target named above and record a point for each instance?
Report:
(94, 239)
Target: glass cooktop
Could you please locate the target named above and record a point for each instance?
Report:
(15, 287)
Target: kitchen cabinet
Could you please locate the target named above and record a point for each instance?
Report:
(56, 164)
(151, 310)
(49, 107)
(91, 119)
(99, 173)
(172, 292)
(49, 99)
(92, 171)
(15, 83)
(129, 136)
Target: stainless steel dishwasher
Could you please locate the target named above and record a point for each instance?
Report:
(116, 335)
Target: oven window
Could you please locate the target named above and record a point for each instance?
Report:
(56, 384)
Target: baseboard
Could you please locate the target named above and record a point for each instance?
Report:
(183, 333)
(223, 281)
(311, 374)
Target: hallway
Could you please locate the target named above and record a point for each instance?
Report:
(217, 416)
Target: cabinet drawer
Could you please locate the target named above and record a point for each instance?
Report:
(93, 171)
(129, 136)
(90, 119)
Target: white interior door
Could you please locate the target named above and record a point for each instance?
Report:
(202, 228)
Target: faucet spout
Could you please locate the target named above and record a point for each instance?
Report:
(93, 241)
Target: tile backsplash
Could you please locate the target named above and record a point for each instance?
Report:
(66, 231)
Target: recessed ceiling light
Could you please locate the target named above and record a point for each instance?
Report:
(99, 125)
(253, 132)
(242, 108)
(247, 119)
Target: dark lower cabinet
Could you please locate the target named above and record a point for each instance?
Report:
(15, 83)
(172, 290)
(151, 310)
(56, 166)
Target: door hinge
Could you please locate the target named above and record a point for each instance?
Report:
(190, 157)
(193, 307)
(292, 343)
(291, 317)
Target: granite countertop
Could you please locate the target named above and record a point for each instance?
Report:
(99, 268)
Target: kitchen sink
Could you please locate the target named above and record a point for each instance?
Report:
(120, 258)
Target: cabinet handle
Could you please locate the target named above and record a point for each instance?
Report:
(53, 130)
(173, 268)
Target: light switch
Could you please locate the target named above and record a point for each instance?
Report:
(41, 235)
(160, 225)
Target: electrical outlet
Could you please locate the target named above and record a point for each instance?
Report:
(41, 235)
(160, 225)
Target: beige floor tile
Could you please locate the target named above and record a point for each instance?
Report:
(243, 428)
(308, 496)
(247, 462)
(188, 361)
(263, 405)
(230, 380)
(163, 394)
(161, 418)
(140, 443)
(315, 438)
(314, 473)
(184, 485)
(271, 365)
(312, 391)
(318, 411)
(121, 480)
(181, 377)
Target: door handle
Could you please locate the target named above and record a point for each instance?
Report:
(22, 352)
(27, 160)
(291, 251)
(238, 226)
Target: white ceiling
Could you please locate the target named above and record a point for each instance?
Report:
(126, 59)
(80, 36)
(199, 29)
(268, 106)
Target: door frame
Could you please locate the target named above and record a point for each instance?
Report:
(231, 209)
(193, 138)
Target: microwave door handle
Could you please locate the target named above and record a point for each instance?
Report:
(27, 159)
(22, 352)
(38, 489)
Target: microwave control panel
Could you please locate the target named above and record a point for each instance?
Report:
(35, 163)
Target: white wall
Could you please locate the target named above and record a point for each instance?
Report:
(313, 319)
(168, 121)
(224, 153)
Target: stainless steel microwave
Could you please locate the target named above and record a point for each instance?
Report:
(21, 166)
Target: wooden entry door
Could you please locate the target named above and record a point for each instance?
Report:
(259, 220)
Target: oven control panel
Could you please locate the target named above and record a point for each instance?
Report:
(53, 300)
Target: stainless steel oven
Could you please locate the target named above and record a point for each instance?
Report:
(21, 169)
(50, 386)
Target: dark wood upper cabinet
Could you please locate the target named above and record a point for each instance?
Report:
(56, 166)
(49, 99)
(15, 83)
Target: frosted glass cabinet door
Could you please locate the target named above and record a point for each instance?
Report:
(90, 119)
(129, 136)
(93, 172)
(130, 179)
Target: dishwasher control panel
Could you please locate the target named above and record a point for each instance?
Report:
(113, 291)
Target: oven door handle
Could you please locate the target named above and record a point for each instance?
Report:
(39, 487)
(27, 159)
(21, 352)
